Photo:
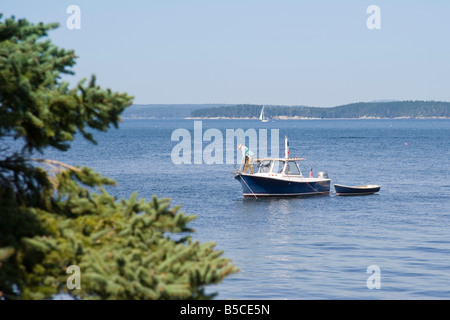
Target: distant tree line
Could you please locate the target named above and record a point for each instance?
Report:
(163, 111)
(394, 109)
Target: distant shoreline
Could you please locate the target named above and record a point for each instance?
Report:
(305, 118)
(359, 110)
(285, 118)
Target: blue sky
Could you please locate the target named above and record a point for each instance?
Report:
(315, 53)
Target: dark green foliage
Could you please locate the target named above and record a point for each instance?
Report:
(53, 215)
(395, 109)
(36, 105)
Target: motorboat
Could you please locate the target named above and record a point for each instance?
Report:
(281, 177)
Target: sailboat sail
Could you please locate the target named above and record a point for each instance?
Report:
(262, 117)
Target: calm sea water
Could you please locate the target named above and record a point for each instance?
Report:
(312, 247)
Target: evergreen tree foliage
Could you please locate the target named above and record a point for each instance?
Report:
(53, 215)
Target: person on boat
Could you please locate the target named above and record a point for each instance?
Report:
(247, 158)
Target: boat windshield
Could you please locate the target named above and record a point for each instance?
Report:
(292, 168)
(278, 166)
(263, 166)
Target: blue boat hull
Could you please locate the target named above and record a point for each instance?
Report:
(270, 187)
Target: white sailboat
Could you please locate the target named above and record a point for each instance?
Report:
(262, 117)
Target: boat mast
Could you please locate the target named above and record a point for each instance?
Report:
(286, 147)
